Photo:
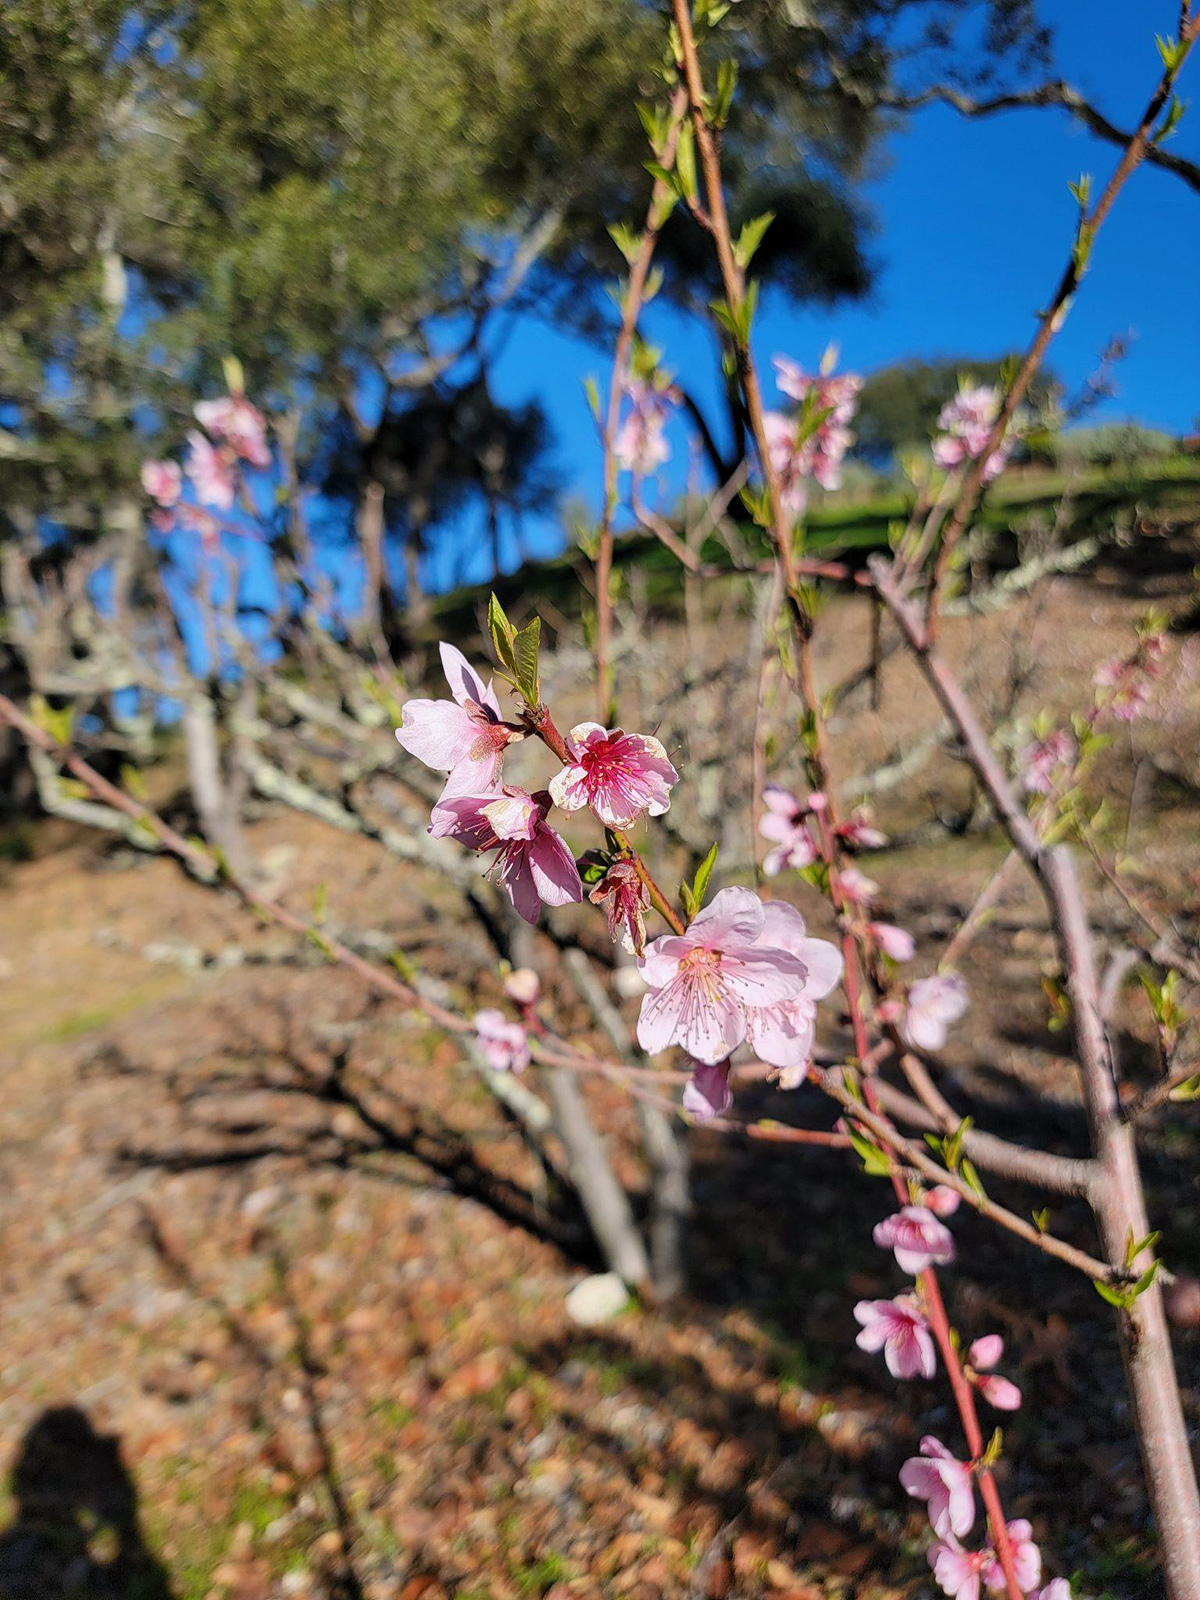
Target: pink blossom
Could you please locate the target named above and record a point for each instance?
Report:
(898, 1327)
(986, 1352)
(534, 864)
(897, 944)
(999, 1392)
(702, 982)
(945, 1484)
(833, 401)
(786, 826)
(1128, 680)
(789, 463)
(625, 899)
(464, 736)
(917, 1237)
(522, 986)
(707, 1093)
(505, 1044)
(233, 420)
(618, 774)
(1027, 1560)
(956, 1570)
(942, 1200)
(966, 422)
(640, 445)
(858, 832)
(856, 886)
(162, 481)
(1044, 762)
(211, 474)
(933, 1003)
(783, 1033)
(1056, 1589)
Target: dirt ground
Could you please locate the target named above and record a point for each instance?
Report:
(282, 1296)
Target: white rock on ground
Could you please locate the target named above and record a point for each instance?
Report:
(597, 1299)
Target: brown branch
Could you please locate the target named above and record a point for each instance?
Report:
(1070, 1175)
(1149, 1102)
(1118, 1199)
(932, 1172)
(639, 274)
(1056, 94)
(781, 531)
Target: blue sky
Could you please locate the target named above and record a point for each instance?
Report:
(973, 223)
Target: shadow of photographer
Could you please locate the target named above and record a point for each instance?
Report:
(76, 1530)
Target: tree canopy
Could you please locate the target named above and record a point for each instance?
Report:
(343, 192)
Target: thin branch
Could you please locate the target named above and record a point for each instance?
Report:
(1051, 319)
(1056, 94)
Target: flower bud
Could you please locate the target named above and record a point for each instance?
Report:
(942, 1200)
(1183, 1302)
(986, 1352)
(523, 986)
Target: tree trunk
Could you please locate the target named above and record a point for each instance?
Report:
(219, 816)
(605, 1202)
(663, 1144)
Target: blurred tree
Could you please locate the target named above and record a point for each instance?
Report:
(899, 405)
(349, 193)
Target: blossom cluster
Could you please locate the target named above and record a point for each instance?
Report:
(901, 1329)
(1126, 682)
(1045, 763)
(640, 442)
(741, 972)
(965, 424)
(235, 433)
(788, 822)
(619, 775)
(810, 443)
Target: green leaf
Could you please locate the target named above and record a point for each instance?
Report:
(654, 123)
(750, 238)
(406, 967)
(57, 723)
(703, 874)
(133, 781)
(875, 1163)
(625, 239)
(689, 900)
(718, 106)
(1134, 1247)
(1172, 52)
(1041, 1219)
(235, 375)
(1115, 1297)
(1144, 1282)
(1082, 190)
(503, 635)
(685, 162)
(970, 1176)
(525, 661)
(1174, 116)
(320, 902)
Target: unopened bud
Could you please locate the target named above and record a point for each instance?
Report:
(523, 986)
(1183, 1302)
